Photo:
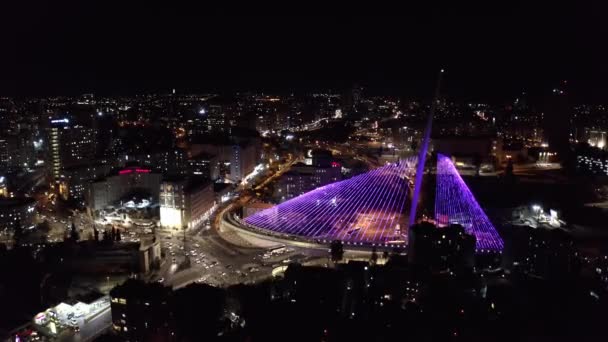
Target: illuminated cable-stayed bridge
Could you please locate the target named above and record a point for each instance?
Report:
(365, 209)
(369, 209)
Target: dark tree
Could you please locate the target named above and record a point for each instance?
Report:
(74, 235)
(18, 233)
(509, 177)
(118, 237)
(509, 169)
(96, 234)
(374, 257)
(477, 163)
(336, 251)
(43, 226)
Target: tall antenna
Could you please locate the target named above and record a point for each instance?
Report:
(422, 153)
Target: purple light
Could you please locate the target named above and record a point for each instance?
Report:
(364, 209)
(455, 204)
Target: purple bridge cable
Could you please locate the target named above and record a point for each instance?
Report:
(455, 204)
(365, 209)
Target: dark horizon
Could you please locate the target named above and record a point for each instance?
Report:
(69, 50)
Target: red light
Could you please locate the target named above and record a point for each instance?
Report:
(335, 164)
(128, 171)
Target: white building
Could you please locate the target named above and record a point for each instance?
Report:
(184, 204)
(108, 191)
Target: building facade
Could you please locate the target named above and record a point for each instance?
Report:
(185, 204)
(108, 191)
(303, 178)
(17, 211)
(242, 161)
(204, 165)
(69, 146)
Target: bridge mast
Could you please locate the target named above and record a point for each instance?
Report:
(422, 153)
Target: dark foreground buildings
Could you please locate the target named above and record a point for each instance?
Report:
(448, 295)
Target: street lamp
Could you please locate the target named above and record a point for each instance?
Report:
(537, 209)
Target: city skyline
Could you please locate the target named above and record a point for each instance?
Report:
(263, 173)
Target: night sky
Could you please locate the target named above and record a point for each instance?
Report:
(489, 53)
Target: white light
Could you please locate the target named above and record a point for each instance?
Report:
(553, 214)
(202, 111)
(536, 207)
(170, 217)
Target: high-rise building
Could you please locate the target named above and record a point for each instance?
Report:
(170, 161)
(17, 151)
(74, 181)
(242, 161)
(5, 155)
(17, 211)
(69, 145)
(236, 159)
(557, 121)
(204, 165)
(24, 152)
(216, 118)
